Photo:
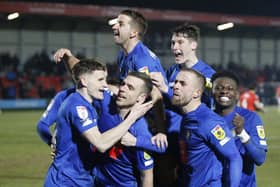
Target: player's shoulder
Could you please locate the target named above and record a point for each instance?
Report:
(245, 112)
(64, 93)
(144, 53)
(208, 118)
(205, 69)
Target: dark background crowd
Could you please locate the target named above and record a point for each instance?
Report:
(40, 77)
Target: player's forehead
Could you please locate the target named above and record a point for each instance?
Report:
(179, 37)
(185, 74)
(122, 18)
(135, 81)
(223, 81)
(98, 74)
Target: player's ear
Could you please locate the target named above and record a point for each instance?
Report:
(237, 95)
(83, 81)
(197, 93)
(194, 45)
(141, 98)
(133, 34)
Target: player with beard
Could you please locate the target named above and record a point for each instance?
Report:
(204, 136)
(184, 44)
(246, 126)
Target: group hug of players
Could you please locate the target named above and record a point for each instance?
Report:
(180, 127)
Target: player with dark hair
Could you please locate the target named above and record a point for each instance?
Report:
(184, 44)
(246, 126)
(204, 136)
(129, 29)
(121, 164)
(77, 131)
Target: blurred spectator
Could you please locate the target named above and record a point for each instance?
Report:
(278, 96)
(250, 100)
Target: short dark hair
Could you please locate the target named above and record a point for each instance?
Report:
(137, 19)
(148, 84)
(188, 31)
(201, 79)
(226, 74)
(86, 66)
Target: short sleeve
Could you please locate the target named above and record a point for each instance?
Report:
(84, 118)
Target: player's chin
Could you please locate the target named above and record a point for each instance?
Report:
(99, 96)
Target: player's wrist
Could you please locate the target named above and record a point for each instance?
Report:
(244, 136)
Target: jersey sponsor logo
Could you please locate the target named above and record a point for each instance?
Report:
(218, 132)
(260, 131)
(82, 112)
(144, 69)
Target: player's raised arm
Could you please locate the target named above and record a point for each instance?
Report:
(65, 55)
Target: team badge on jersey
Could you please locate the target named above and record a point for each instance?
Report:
(144, 69)
(148, 159)
(82, 112)
(147, 156)
(218, 132)
(260, 131)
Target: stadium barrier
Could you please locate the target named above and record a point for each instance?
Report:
(12, 104)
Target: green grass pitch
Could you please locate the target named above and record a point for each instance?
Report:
(24, 158)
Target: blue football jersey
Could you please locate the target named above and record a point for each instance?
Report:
(173, 118)
(119, 164)
(200, 67)
(74, 158)
(50, 114)
(139, 59)
(204, 138)
(108, 114)
(254, 151)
